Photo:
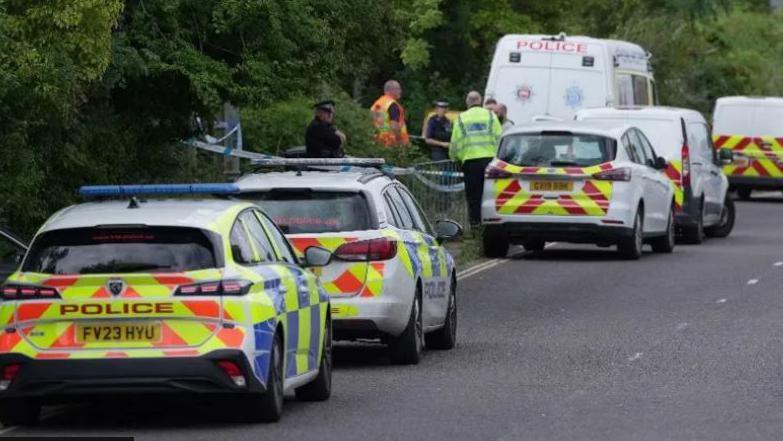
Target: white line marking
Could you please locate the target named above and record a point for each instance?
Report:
(778, 263)
(481, 267)
(682, 326)
(635, 356)
(721, 301)
(753, 281)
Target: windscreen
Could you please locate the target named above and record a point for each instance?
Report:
(557, 149)
(299, 211)
(748, 119)
(664, 135)
(121, 250)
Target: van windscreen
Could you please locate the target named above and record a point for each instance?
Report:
(557, 149)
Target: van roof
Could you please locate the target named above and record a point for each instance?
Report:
(642, 112)
(589, 127)
(755, 100)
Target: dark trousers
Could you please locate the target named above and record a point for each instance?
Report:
(473, 171)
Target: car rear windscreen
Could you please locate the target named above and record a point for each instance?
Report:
(556, 149)
(122, 250)
(299, 211)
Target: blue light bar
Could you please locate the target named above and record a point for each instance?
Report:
(156, 189)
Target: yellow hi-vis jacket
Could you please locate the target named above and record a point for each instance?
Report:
(476, 134)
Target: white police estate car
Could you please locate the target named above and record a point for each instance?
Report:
(390, 278)
(577, 182)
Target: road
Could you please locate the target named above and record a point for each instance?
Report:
(569, 344)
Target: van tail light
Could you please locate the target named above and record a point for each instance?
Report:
(216, 288)
(233, 371)
(372, 250)
(14, 291)
(493, 172)
(685, 177)
(615, 174)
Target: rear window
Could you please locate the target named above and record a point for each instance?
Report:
(557, 149)
(123, 250)
(299, 211)
(748, 119)
(664, 135)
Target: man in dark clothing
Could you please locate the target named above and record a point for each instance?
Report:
(322, 139)
(438, 132)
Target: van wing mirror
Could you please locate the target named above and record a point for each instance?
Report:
(661, 163)
(725, 156)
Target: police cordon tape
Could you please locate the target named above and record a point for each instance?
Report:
(420, 175)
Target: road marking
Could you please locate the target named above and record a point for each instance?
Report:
(721, 301)
(481, 267)
(682, 326)
(778, 263)
(635, 356)
(753, 281)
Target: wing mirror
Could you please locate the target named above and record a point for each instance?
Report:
(447, 230)
(660, 163)
(316, 257)
(725, 156)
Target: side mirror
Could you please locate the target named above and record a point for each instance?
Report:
(725, 156)
(447, 229)
(316, 256)
(660, 163)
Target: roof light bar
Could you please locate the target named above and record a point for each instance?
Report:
(316, 162)
(156, 189)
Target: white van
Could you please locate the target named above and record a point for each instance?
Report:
(752, 127)
(539, 76)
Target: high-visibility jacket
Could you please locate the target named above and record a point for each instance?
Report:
(382, 122)
(476, 134)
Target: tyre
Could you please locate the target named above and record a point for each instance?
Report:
(446, 337)
(320, 389)
(20, 413)
(631, 247)
(534, 245)
(665, 243)
(407, 347)
(494, 245)
(744, 193)
(695, 235)
(726, 224)
(268, 407)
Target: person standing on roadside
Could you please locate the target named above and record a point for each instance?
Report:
(490, 104)
(474, 142)
(438, 133)
(388, 117)
(322, 139)
(502, 111)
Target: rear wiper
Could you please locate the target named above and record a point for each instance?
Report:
(563, 163)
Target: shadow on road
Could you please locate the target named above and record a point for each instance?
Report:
(360, 355)
(575, 255)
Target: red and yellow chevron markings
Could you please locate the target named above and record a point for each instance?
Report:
(674, 173)
(760, 156)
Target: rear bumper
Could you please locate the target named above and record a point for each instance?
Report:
(371, 317)
(561, 232)
(736, 182)
(62, 379)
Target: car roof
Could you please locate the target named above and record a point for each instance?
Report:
(642, 112)
(194, 213)
(354, 180)
(588, 127)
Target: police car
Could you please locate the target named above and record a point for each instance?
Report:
(391, 278)
(577, 182)
(191, 296)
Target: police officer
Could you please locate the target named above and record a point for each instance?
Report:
(438, 132)
(322, 139)
(474, 143)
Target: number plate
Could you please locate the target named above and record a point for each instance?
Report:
(118, 332)
(551, 186)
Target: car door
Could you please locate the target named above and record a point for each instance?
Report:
(705, 168)
(433, 257)
(11, 251)
(654, 214)
(661, 186)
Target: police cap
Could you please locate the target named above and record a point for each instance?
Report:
(326, 105)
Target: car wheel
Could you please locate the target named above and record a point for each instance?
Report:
(534, 245)
(268, 407)
(727, 218)
(744, 193)
(631, 247)
(407, 347)
(494, 245)
(23, 412)
(446, 337)
(320, 389)
(695, 235)
(665, 243)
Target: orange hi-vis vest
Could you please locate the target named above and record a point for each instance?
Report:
(382, 122)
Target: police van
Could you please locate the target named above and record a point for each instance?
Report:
(552, 77)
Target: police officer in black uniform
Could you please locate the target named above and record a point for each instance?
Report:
(438, 132)
(322, 139)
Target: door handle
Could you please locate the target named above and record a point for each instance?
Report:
(714, 173)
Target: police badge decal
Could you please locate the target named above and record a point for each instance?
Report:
(116, 287)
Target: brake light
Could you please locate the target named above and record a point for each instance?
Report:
(371, 250)
(232, 370)
(685, 177)
(216, 288)
(9, 373)
(615, 174)
(493, 172)
(13, 291)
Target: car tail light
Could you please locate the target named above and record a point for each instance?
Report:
(371, 250)
(615, 174)
(493, 172)
(216, 288)
(686, 166)
(9, 373)
(13, 291)
(232, 370)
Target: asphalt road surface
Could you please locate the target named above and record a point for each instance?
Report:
(568, 344)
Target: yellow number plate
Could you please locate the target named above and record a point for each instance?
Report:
(118, 332)
(551, 186)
